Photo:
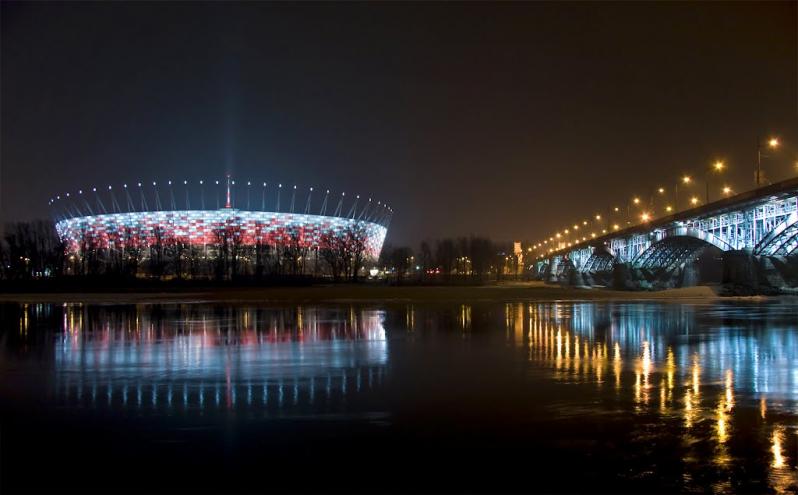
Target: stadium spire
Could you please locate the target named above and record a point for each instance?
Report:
(228, 205)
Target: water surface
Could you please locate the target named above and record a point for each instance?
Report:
(561, 397)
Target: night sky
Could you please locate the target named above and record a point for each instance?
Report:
(508, 120)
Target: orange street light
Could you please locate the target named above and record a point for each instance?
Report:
(772, 143)
(685, 179)
(718, 166)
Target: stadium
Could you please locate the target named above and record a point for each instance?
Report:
(218, 228)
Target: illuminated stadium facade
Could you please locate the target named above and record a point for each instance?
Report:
(121, 224)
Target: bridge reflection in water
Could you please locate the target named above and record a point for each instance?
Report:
(681, 396)
(197, 358)
(670, 364)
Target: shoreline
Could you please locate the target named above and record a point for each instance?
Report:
(508, 292)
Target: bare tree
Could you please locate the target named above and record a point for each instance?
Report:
(355, 240)
(333, 251)
(32, 250)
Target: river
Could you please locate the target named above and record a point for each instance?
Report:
(489, 396)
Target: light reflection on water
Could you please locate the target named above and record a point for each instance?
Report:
(191, 359)
(675, 368)
(721, 378)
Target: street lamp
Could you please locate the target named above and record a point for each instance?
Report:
(685, 180)
(772, 143)
(636, 202)
(718, 166)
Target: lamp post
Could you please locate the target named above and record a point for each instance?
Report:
(716, 167)
(685, 180)
(773, 143)
(636, 202)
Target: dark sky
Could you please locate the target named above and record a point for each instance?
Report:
(508, 120)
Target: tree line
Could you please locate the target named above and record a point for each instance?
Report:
(472, 259)
(33, 250)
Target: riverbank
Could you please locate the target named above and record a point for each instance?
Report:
(510, 291)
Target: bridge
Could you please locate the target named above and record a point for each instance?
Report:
(749, 242)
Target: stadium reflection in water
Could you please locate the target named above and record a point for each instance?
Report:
(192, 359)
(646, 396)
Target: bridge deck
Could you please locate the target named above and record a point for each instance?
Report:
(737, 202)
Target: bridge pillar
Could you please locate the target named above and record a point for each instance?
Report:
(740, 271)
(622, 277)
(769, 271)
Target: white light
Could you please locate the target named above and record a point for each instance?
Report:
(94, 189)
(153, 183)
(170, 182)
(109, 188)
(279, 185)
(264, 184)
(249, 183)
(124, 185)
(80, 192)
(139, 184)
(217, 182)
(311, 189)
(185, 182)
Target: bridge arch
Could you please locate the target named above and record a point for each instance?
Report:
(692, 232)
(672, 252)
(600, 261)
(783, 240)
